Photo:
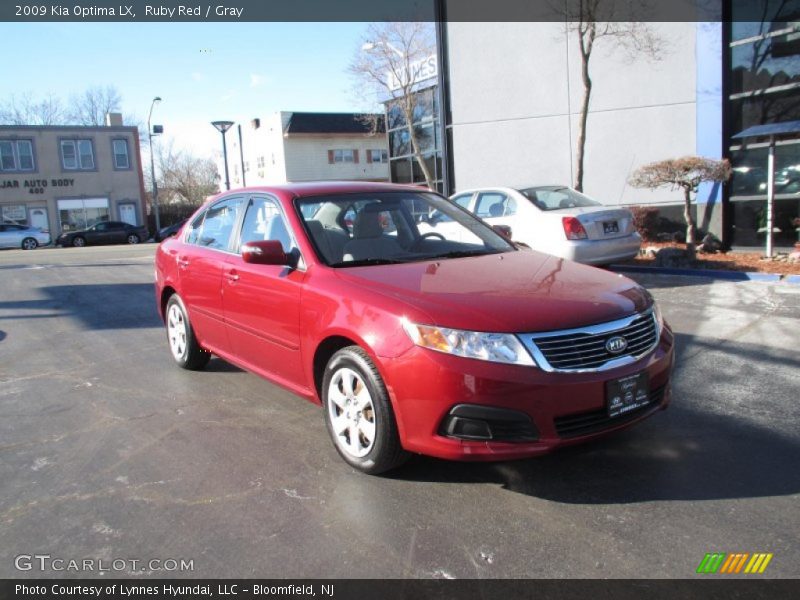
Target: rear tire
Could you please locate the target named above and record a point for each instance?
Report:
(133, 239)
(79, 242)
(180, 335)
(358, 413)
(29, 244)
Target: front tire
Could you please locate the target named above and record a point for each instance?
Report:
(133, 239)
(29, 244)
(79, 242)
(358, 413)
(180, 335)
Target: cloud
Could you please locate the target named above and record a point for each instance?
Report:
(197, 76)
(257, 80)
(229, 95)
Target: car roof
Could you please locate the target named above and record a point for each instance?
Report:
(505, 188)
(322, 188)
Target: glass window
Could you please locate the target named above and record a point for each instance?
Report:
(400, 142)
(378, 156)
(68, 156)
(757, 65)
(344, 156)
(264, 221)
(7, 162)
(758, 17)
(218, 224)
(121, 154)
(395, 115)
(400, 170)
(750, 171)
(16, 155)
(763, 109)
(553, 198)
(385, 229)
(491, 204)
(193, 230)
(77, 154)
(426, 138)
(85, 154)
(82, 214)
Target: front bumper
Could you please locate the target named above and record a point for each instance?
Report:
(428, 387)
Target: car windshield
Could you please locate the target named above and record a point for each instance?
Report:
(394, 227)
(556, 197)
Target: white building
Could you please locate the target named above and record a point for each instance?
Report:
(302, 146)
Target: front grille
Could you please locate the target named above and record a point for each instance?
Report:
(598, 420)
(585, 349)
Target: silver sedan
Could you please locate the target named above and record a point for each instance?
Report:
(21, 236)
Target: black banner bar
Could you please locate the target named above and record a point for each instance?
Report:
(360, 589)
(363, 10)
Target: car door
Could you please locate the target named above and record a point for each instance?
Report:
(262, 302)
(97, 234)
(496, 208)
(117, 232)
(200, 260)
(6, 237)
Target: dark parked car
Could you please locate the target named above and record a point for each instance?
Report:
(456, 344)
(168, 231)
(107, 232)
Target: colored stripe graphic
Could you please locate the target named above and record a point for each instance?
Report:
(711, 562)
(724, 563)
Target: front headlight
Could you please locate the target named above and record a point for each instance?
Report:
(659, 318)
(494, 347)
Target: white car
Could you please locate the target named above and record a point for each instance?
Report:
(553, 219)
(21, 236)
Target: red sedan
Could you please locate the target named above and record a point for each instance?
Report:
(456, 344)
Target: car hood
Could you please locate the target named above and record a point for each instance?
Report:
(513, 292)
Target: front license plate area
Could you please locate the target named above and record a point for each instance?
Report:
(627, 393)
(610, 227)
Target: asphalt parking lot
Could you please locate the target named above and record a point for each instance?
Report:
(109, 451)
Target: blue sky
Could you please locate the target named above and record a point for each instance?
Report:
(202, 71)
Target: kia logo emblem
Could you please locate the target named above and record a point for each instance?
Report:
(616, 344)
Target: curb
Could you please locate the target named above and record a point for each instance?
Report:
(792, 279)
(710, 273)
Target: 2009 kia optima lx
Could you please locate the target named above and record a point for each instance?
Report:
(457, 345)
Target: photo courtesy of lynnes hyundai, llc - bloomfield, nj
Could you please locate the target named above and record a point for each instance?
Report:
(457, 344)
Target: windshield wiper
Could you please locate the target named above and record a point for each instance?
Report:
(462, 253)
(367, 261)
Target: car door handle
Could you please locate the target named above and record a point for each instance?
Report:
(232, 276)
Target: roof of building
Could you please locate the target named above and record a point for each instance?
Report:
(786, 127)
(314, 122)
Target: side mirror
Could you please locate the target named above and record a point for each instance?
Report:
(503, 230)
(267, 252)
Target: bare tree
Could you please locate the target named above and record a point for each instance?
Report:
(24, 110)
(395, 57)
(183, 177)
(686, 173)
(91, 106)
(633, 37)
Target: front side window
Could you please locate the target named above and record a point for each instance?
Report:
(264, 221)
(16, 155)
(121, 160)
(214, 228)
(77, 155)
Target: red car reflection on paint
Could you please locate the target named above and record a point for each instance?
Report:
(456, 344)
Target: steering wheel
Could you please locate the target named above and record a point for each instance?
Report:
(432, 234)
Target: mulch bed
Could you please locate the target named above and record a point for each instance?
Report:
(729, 261)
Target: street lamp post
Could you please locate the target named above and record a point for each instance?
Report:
(152, 163)
(222, 127)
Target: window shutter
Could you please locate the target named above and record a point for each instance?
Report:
(355, 156)
(330, 157)
(369, 156)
